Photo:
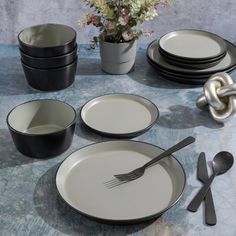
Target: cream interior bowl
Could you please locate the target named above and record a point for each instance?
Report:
(42, 128)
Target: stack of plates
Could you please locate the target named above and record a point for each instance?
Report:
(48, 56)
(191, 56)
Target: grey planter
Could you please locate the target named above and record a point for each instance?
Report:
(117, 58)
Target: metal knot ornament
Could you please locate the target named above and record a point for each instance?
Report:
(219, 97)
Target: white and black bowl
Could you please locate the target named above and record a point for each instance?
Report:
(47, 40)
(50, 79)
(42, 128)
(49, 62)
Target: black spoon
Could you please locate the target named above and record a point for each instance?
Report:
(222, 162)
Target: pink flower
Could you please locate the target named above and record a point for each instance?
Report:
(148, 7)
(92, 19)
(128, 35)
(156, 6)
(123, 20)
(109, 25)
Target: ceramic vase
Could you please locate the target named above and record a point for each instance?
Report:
(117, 58)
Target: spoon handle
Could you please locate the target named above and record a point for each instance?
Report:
(195, 203)
(210, 209)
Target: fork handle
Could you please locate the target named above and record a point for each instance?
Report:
(169, 151)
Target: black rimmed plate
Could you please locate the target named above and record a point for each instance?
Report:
(183, 78)
(47, 40)
(80, 182)
(119, 115)
(191, 64)
(178, 78)
(227, 63)
(191, 61)
(192, 44)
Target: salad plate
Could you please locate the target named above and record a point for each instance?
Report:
(119, 115)
(192, 45)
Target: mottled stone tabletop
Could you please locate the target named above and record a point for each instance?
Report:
(29, 204)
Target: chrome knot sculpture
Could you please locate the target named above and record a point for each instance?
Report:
(219, 97)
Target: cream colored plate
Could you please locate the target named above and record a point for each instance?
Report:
(119, 114)
(81, 176)
(192, 44)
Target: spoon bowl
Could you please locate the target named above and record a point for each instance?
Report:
(222, 162)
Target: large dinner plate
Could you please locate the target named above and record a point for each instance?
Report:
(119, 115)
(227, 63)
(183, 78)
(192, 44)
(178, 78)
(80, 182)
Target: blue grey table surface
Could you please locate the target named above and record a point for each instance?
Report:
(29, 204)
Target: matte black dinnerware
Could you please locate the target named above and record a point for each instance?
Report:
(119, 115)
(80, 177)
(194, 76)
(50, 79)
(190, 64)
(202, 174)
(221, 163)
(42, 128)
(228, 62)
(49, 62)
(191, 44)
(189, 61)
(47, 40)
(139, 172)
(183, 78)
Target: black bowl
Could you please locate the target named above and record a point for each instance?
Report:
(49, 62)
(48, 40)
(42, 128)
(50, 79)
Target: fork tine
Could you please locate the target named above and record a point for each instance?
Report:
(116, 184)
(111, 181)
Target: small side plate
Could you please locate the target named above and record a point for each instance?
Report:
(119, 115)
(192, 44)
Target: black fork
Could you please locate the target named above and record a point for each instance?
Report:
(137, 173)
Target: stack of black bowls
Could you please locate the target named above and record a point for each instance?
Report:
(48, 56)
